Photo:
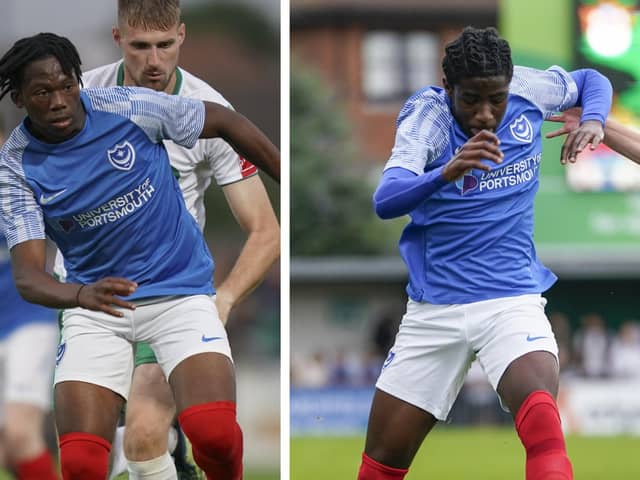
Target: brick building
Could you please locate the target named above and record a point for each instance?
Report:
(375, 53)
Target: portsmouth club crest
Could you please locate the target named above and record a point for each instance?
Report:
(521, 129)
(122, 156)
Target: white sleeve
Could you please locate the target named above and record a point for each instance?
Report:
(550, 90)
(422, 132)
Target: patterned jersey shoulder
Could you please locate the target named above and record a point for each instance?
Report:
(550, 90)
(422, 130)
(20, 217)
(161, 116)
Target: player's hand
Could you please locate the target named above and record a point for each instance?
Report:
(482, 146)
(590, 132)
(570, 118)
(104, 294)
(224, 306)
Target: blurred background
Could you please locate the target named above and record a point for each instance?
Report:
(353, 64)
(234, 45)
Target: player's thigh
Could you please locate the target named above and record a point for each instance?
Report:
(395, 431)
(94, 349)
(203, 378)
(150, 399)
(23, 430)
(88, 408)
(517, 348)
(531, 372)
(193, 350)
(430, 358)
(93, 372)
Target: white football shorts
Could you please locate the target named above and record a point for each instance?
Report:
(436, 345)
(26, 365)
(97, 347)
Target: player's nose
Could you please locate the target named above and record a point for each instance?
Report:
(153, 58)
(484, 116)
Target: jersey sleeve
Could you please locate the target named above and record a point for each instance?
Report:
(226, 165)
(422, 132)
(550, 90)
(20, 215)
(161, 116)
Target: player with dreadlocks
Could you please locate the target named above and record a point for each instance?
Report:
(88, 169)
(464, 167)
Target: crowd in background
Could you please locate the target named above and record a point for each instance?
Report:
(591, 349)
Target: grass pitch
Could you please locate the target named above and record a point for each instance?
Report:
(467, 454)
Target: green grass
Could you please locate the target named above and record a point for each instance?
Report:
(248, 475)
(467, 454)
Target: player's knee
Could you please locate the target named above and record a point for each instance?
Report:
(144, 440)
(83, 456)
(213, 430)
(21, 438)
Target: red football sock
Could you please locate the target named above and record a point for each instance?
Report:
(538, 425)
(40, 467)
(216, 439)
(84, 456)
(372, 470)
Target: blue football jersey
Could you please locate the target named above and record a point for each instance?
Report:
(14, 311)
(472, 239)
(107, 196)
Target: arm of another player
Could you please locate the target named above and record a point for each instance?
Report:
(594, 95)
(252, 209)
(37, 286)
(618, 137)
(401, 190)
(243, 136)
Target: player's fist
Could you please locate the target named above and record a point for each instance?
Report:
(484, 145)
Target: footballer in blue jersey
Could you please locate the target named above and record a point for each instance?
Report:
(89, 170)
(28, 339)
(465, 168)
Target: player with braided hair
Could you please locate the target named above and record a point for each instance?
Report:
(464, 167)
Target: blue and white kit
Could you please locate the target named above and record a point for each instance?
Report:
(88, 193)
(472, 239)
(475, 281)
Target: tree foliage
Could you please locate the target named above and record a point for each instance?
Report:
(331, 205)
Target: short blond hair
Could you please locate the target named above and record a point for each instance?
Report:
(149, 14)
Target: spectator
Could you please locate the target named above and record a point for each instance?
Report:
(625, 352)
(591, 345)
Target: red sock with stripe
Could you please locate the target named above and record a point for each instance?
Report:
(84, 456)
(372, 470)
(538, 425)
(40, 467)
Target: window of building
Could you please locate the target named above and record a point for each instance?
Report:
(396, 64)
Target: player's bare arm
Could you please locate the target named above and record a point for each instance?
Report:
(250, 205)
(618, 137)
(589, 132)
(243, 136)
(482, 146)
(37, 286)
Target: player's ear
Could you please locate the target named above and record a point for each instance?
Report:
(16, 98)
(115, 33)
(447, 87)
(182, 31)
